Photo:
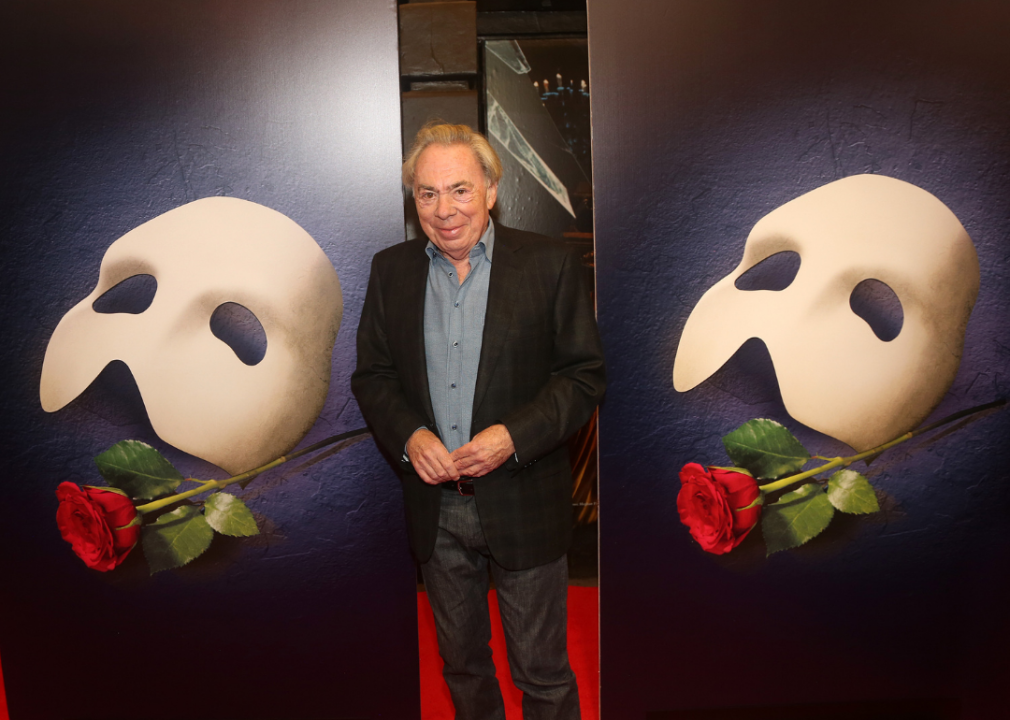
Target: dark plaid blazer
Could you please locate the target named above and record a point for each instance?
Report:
(540, 373)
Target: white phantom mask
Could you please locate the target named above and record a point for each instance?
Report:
(199, 396)
(834, 374)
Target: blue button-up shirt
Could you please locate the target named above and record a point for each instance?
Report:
(453, 333)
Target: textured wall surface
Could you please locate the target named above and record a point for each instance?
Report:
(706, 116)
(115, 112)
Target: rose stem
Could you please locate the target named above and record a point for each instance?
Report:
(846, 461)
(206, 485)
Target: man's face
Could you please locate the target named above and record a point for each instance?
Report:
(452, 198)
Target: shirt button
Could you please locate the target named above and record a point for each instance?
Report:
(453, 385)
(455, 344)
(453, 427)
(455, 304)
(450, 274)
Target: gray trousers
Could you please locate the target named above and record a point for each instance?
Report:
(534, 613)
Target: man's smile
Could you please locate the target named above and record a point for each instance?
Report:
(450, 231)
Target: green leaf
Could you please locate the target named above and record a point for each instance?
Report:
(176, 538)
(796, 517)
(765, 448)
(138, 469)
(230, 516)
(850, 492)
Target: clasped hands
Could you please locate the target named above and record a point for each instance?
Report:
(487, 450)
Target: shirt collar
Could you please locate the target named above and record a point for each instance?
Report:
(486, 243)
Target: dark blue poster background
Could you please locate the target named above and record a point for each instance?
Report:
(708, 114)
(113, 113)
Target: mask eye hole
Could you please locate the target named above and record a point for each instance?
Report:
(239, 329)
(133, 295)
(878, 305)
(775, 272)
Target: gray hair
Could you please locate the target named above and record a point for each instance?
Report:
(439, 133)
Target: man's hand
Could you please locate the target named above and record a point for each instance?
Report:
(489, 449)
(430, 458)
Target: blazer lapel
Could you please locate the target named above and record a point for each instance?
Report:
(415, 284)
(506, 273)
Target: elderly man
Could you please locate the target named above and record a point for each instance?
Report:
(478, 356)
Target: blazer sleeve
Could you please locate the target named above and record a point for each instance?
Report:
(376, 383)
(578, 376)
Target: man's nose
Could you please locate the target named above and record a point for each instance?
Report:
(444, 208)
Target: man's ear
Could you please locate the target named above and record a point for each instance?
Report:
(492, 195)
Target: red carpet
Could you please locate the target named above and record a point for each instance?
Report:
(583, 653)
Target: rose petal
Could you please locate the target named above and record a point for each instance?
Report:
(87, 519)
(708, 503)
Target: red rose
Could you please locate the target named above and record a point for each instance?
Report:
(708, 504)
(94, 521)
